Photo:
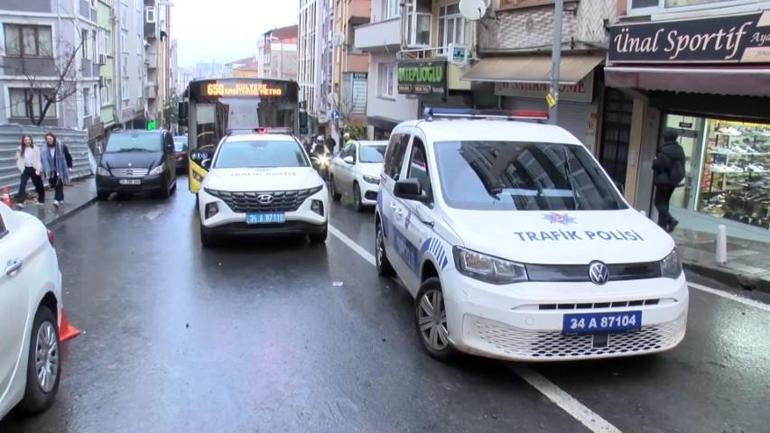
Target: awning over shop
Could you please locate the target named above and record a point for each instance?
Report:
(531, 69)
(722, 80)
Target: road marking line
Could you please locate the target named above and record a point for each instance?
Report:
(566, 402)
(556, 395)
(733, 297)
(369, 257)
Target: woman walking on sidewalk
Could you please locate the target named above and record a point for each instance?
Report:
(28, 163)
(56, 161)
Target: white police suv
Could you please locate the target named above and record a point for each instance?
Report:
(262, 183)
(517, 245)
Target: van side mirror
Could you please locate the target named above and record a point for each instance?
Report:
(409, 189)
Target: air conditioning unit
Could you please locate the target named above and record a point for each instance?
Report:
(102, 59)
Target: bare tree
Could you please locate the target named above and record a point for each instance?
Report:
(54, 81)
(49, 64)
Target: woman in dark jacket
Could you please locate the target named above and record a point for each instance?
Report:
(669, 173)
(56, 161)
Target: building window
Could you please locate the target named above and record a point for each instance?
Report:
(124, 88)
(635, 5)
(86, 102)
(28, 41)
(386, 74)
(451, 27)
(418, 28)
(84, 44)
(106, 92)
(106, 46)
(26, 103)
(149, 13)
(391, 9)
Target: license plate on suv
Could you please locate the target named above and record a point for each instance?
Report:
(265, 218)
(602, 323)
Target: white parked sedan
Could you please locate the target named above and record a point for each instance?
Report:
(356, 172)
(30, 305)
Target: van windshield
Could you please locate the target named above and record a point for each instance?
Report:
(134, 142)
(510, 175)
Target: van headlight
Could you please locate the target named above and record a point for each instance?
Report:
(157, 170)
(487, 268)
(101, 171)
(670, 266)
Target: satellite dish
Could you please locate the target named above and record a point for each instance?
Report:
(338, 39)
(473, 10)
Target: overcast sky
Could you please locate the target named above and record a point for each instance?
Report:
(225, 30)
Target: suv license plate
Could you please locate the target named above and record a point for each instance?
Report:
(130, 181)
(602, 323)
(265, 218)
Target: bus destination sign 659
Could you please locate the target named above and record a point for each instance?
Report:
(218, 89)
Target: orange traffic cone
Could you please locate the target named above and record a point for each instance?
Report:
(6, 198)
(66, 331)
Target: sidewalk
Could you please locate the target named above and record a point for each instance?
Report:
(78, 195)
(748, 262)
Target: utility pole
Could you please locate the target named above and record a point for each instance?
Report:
(553, 97)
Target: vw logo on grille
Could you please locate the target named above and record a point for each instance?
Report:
(598, 273)
(265, 198)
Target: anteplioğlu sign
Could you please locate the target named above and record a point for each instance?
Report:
(422, 78)
(728, 39)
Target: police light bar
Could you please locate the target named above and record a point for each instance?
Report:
(473, 113)
(276, 130)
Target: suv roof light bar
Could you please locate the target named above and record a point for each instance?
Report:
(431, 113)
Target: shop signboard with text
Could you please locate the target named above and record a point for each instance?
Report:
(422, 78)
(582, 91)
(727, 39)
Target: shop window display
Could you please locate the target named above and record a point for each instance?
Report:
(735, 180)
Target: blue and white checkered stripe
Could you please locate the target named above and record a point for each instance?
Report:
(437, 250)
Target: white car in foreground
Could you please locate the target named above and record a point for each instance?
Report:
(356, 172)
(517, 245)
(30, 308)
(262, 184)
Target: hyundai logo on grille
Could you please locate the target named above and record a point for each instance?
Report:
(265, 198)
(598, 273)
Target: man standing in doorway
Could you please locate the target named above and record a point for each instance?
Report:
(669, 173)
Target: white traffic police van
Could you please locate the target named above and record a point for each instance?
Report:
(517, 245)
(262, 183)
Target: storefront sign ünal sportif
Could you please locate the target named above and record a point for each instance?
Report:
(728, 39)
(422, 78)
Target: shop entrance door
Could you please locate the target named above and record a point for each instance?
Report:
(690, 130)
(616, 131)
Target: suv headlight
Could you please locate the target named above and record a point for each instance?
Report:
(670, 266)
(157, 170)
(101, 171)
(371, 179)
(487, 268)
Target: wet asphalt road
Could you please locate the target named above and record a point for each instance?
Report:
(281, 336)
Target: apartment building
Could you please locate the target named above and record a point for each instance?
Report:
(311, 41)
(351, 65)
(277, 53)
(381, 39)
(105, 18)
(131, 71)
(48, 63)
(157, 44)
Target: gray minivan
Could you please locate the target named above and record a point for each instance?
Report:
(137, 161)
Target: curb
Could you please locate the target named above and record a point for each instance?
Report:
(729, 278)
(73, 211)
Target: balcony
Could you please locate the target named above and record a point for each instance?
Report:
(359, 11)
(379, 36)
